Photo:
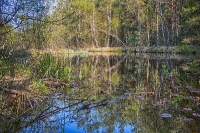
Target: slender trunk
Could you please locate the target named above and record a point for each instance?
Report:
(162, 23)
(148, 30)
(108, 23)
(173, 21)
(178, 19)
(1, 8)
(93, 31)
(139, 26)
(147, 78)
(1, 19)
(78, 37)
(92, 34)
(157, 81)
(94, 75)
(34, 33)
(157, 24)
(109, 76)
(167, 30)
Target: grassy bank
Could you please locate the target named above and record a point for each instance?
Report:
(182, 49)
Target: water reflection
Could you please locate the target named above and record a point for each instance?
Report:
(118, 93)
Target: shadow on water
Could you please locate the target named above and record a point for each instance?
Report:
(100, 93)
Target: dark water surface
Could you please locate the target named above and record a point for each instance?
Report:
(109, 94)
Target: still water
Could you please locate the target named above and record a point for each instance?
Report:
(137, 93)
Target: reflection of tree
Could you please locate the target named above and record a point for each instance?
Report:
(86, 98)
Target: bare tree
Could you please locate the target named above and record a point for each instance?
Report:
(15, 12)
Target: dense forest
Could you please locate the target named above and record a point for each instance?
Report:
(98, 23)
(50, 81)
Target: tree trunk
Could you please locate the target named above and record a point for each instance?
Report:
(178, 5)
(78, 37)
(1, 19)
(108, 23)
(162, 23)
(109, 74)
(147, 76)
(157, 24)
(139, 26)
(148, 30)
(173, 21)
(93, 30)
(1, 8)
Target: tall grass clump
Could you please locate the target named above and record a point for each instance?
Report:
(184, 49)
(49, 66)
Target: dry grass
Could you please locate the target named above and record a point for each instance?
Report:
(106, 49)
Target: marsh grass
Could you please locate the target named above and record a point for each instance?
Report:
(184, 49)
(60, 52)
(49, 66)
(41, 87)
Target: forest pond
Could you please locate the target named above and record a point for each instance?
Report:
(102, 94)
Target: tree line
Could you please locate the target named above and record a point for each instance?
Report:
(99, 23)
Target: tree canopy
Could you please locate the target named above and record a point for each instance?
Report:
(99, 23)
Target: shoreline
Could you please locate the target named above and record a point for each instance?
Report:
(143, 49)
(101, 50)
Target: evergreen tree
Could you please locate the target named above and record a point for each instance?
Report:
(190, 22)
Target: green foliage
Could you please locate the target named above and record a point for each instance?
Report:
(120, 81)
(165, 69)
(4, 66)
(194, 64)
(51, 67)
(190, 22)
(85, 23)
(39, 85)
(176, 101)
(115, 23)
(169, 72)
(1, 102)
(186, 49)
(83, 5)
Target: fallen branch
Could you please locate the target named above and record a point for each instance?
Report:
(11, 91)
